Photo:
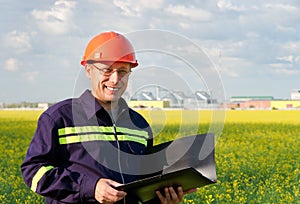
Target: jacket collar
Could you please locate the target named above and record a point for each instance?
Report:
(91, 106)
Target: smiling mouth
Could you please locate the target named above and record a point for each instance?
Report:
(112, 88)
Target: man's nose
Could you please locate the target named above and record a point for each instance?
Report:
(114, 77)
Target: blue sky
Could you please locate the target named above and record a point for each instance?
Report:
(254, 45)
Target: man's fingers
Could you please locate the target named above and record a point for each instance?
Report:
(167, 194)
(175, 196)
(106, 193)
(113, 183)
(159, 195)
(112, 191)
(180, 193)
(172, 196)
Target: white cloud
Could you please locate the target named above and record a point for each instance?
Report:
(291, 46)
(290, 53)
(232, 47)
(18, 41)
(284, 71)
(252, 34)
(228, 66)
(289, 59)
(11, 65)
(185, 26)
(227, 5)
(56, 20)
(283, 7)
(234, 66)
(31, 76)
(134, 8)
(190, 12)
(229, 72)
(287, 29)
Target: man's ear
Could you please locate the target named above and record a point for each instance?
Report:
(88, 70)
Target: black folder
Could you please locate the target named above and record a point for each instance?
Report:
(187, 162)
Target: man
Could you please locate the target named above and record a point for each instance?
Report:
(82, 146)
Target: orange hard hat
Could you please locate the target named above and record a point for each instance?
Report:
(109, 47)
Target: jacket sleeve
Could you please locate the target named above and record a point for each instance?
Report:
(46, 176)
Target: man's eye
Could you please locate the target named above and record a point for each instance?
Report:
(123, 71)
(107, 70)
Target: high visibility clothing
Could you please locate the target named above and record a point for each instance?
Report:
(76, 143)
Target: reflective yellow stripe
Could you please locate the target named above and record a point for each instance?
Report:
(132, 138)
(100, 129)
(103, 137)
(85, 138)
(132, 131)
(83, 129)
(37, 177)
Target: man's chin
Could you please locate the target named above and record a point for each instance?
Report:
(113, 99)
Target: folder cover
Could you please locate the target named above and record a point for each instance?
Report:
(144, 189)
(188, 162)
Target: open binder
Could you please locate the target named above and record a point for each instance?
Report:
(187, 162)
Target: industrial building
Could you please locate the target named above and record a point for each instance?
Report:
(154, 96)
(295, 95)
(265, 102)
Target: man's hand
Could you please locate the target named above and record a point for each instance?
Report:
(105, 193)
(171, 197)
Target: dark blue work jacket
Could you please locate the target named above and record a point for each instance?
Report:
(77, 142)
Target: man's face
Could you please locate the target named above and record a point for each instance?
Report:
(109, 82)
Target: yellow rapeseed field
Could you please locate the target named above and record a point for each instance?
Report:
(257, 153)
(230, 116)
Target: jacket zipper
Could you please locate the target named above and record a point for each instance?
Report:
(118, 144)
